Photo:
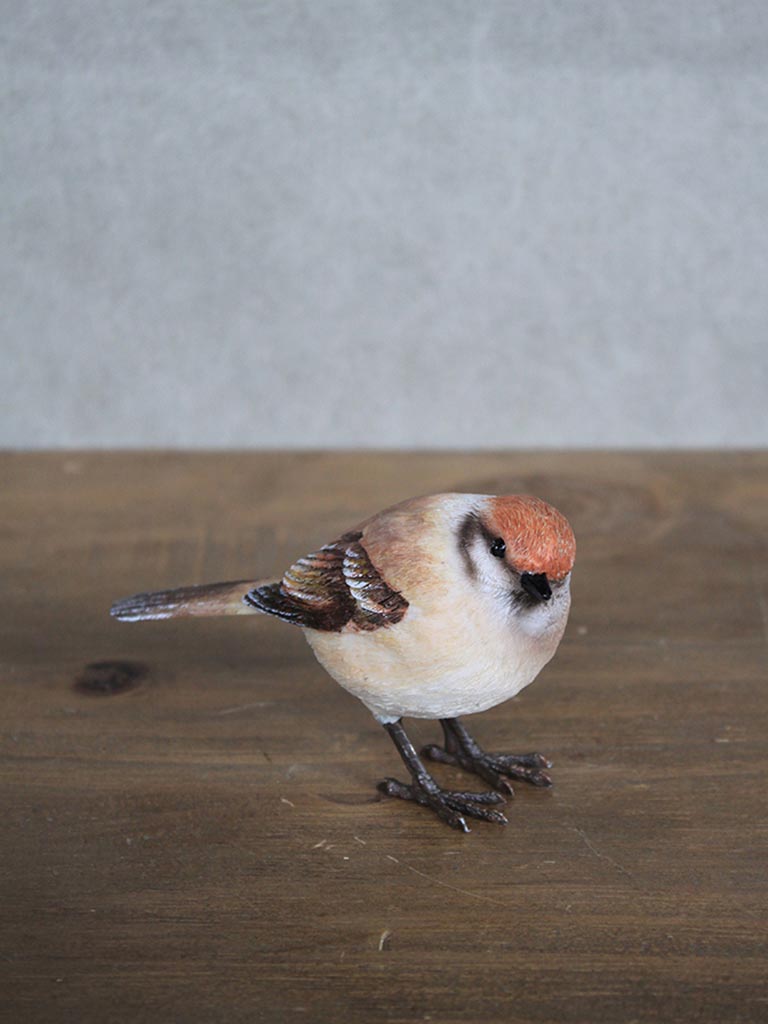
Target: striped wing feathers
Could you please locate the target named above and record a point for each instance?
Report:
(334, 587)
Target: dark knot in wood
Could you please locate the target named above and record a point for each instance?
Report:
(108, 678)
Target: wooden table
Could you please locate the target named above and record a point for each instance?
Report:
(194, 835)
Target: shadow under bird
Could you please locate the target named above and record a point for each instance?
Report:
(439, 607)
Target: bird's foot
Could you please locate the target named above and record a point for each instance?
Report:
(449, 805)
(497, 769)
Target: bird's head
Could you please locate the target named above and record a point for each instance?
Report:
(520, 546)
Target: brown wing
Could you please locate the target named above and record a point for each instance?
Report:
(332, 588)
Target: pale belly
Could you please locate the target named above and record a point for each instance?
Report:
(426, 670)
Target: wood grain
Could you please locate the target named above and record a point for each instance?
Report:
(191, 827)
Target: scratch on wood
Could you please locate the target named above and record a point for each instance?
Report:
(289, 802)
(447, 885)
(384, 939)
(603, 856)
(245, 707)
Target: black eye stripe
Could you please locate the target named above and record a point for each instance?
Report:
(498, 548)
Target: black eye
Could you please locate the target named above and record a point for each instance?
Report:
(498, 547)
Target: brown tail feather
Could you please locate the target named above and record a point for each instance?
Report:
(206, 599)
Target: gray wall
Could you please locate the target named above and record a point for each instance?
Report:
(384, 223)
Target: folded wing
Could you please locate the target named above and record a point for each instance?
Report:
(334, 588)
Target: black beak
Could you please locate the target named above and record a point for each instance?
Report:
(537, 585)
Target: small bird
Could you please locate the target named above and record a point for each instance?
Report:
(438, 607)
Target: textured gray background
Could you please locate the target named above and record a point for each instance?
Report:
(377, 223)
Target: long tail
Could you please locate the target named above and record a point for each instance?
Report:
(203, 600)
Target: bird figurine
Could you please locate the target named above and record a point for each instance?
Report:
(439, 607)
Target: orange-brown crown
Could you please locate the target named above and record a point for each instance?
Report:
(539, 539)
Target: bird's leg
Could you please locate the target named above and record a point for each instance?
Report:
(498, 769)
(449, 805)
